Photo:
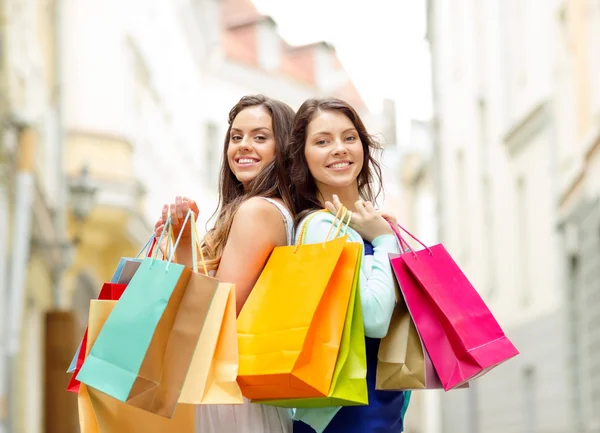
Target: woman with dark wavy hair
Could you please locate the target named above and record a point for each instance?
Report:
(332, 164)
(254, 217)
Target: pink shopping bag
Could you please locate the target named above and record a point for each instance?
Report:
(463, 338)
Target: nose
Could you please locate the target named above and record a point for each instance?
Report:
(246, 144)
(339, 148)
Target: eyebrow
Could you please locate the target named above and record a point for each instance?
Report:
(329, 133)
(254, 130)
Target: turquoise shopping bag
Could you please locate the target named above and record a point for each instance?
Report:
(127, 361)
(125, 269)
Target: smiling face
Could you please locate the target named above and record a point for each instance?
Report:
(333, 150)
(251, 143)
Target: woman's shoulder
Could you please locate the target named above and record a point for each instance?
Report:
(259, 208)
(262, 211)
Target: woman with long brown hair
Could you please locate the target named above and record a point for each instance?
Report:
(332, 164)
(254, 217)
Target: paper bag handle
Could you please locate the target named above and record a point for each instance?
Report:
(343, 210)
(403, 243)
(150, 243)
(195, 244)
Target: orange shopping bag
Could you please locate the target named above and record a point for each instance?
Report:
(100, 413)
(290, 328)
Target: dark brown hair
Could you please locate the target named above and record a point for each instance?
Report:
(304, 186)
(273, 181)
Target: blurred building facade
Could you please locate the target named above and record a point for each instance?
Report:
(417, 211)
(130, 99)
(579, 164)
(30, 188)
(516, 130)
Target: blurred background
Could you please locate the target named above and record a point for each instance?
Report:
(488, 111)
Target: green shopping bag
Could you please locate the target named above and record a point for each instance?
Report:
(349, 382)
(142, 354)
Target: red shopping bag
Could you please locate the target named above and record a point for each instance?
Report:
(463, 338)
(109, 292)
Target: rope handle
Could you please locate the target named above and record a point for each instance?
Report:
(343, 210)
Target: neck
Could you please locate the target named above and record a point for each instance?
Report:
(347, 195)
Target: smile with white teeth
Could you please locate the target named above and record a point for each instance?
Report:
(247, 161)
(339, 164)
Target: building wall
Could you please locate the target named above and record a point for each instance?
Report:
(582, 230)
(579, 209)
(499, 106)
(27, 89)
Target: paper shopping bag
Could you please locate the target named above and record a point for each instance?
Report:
(211, 378)
(402, 361)
(461, 335)
(349, 383)
(144, 350)
(100, 413)
(288, 330)
(123, 274)
(128, 266)
(108, 292)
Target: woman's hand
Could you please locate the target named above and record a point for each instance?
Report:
(178, 211)
(367, 221)
(391, 219)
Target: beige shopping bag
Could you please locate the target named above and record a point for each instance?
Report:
(212, 376)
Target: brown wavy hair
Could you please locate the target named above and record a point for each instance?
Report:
(305, 192)
(273, 181)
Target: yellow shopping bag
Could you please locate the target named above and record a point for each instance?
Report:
(290, 328)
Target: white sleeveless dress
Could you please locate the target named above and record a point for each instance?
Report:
(248, 417)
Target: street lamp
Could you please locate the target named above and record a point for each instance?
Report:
(81, 201)
(82, 195)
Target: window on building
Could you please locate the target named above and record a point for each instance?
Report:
(489, 238)
(521, 245)
(463, 203)
(521, 41)
(481, 52)
(458, 31)
(506, 58)
(575, 328)
(530, 394)
(594, 29)
(141, 95)
(473, 408)
(487, 197)
(269, 46)
(212, 153)
(325, 73)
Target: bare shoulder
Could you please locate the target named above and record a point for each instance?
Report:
(258, 211)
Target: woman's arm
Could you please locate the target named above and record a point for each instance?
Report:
(377, 289)
(256, 230)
